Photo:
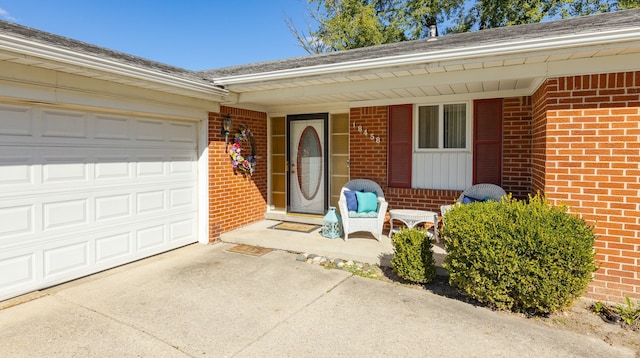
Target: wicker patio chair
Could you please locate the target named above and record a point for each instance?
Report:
(353, 221)
(479, 192)
(483, 192)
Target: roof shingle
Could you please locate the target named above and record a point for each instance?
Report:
(579, 25)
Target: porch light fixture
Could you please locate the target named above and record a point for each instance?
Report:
(226, 125)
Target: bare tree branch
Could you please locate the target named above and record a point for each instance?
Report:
(307, 41)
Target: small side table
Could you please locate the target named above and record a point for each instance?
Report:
(411, 218)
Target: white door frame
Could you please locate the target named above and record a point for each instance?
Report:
(324, 117)
(203, 180)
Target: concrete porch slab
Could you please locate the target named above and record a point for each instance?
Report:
(361, 246)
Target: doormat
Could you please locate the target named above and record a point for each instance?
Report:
(249, 250)
(295, 227)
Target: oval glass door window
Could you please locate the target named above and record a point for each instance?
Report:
(309, 163)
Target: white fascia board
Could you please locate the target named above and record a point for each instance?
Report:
(444, 78)
(449, 97)
(500, 49)
(25, 48)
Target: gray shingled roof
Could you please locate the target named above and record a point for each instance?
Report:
(580, 25)
(92, 50)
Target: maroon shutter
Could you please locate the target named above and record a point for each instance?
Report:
(487, 141)
(400, 152)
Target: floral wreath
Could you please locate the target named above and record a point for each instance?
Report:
(239, 162)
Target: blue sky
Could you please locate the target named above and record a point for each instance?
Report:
(193, 34)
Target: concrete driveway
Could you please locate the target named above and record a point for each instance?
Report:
(202, 300)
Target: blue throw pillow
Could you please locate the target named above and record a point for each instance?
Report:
(352, 201)
(469, 200)
(367, 202)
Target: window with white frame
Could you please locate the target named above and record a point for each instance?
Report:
(442, 157)
(442, 126)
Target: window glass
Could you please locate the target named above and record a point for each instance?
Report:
(428, 127)
(454, 125)
(442, 126)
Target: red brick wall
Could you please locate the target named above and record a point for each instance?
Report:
(593, 164)
(539, 136)
(517, 146)
(369, 159)
(234, 200)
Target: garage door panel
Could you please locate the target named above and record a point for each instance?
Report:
(113, 128)
(61, 257)
(17, 167)
(183, 165)
(149, 166)
(17, 271)
(15, 121)
(150, 201)
(58, 124)
(182, 132)
(65, 260)
(112, 247)
(181, 197)
(113, 207)
(16, 220)
(30, 171)
(16, 172)
(34, 214)
(150, 237)
(182, 230)
(149, 130)
(20, 222)
(113, 167)
(65, 214)
(82, 192)
(65, 169)
(73, 128)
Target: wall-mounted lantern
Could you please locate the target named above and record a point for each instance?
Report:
(226, 126)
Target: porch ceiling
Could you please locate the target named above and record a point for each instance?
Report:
(513, 75)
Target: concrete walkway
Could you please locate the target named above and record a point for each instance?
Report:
(202, 300)
(361, 246)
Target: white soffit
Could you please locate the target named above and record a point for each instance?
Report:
(505, 77)
(535, 51)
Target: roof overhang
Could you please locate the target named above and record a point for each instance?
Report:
(505, 68)
(32, 53)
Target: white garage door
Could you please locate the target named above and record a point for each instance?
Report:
(82, 192)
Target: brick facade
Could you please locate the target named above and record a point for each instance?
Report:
(234, 200)
(588, 129)
(517, 146)
(369, 159)
(577, 139)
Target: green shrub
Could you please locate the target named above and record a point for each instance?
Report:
(413, 255)
(528, 257)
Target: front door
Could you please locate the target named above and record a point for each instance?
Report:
(307, 158)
